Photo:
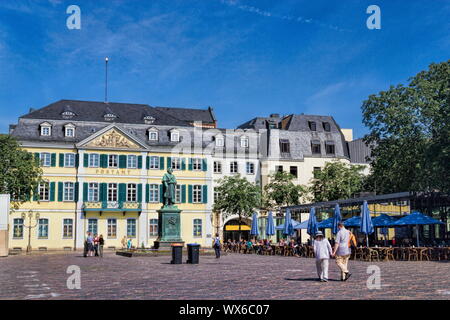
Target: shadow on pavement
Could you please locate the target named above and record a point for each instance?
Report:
(308, 279)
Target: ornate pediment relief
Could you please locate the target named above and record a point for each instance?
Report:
(113, 139)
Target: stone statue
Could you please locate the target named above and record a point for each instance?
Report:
(169, 186)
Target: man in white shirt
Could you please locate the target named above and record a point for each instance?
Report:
(342, 251)
(322, 252)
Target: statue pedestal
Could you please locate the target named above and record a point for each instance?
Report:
(169, 227)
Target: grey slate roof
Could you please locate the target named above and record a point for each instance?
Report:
(359, 151)
(95, 111)
(190, 115)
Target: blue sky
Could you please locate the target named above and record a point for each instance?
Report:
(245, 58)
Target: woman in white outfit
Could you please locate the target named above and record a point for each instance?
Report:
(322, 252)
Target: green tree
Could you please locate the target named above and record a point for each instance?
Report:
(410, 130)
(281, 191)
(337, 180)
(237, 196)
(20, 175)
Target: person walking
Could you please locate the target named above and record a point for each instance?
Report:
(342, 251)
(96, 244)
(101, 243)
(124, 242)
(90, 242)
(217, 246)
(322, 252)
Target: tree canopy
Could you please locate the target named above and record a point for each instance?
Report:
(410, 130)
(281, 191)
(20, 175)
(337, 180)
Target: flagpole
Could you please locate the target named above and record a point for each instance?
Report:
(106, 79)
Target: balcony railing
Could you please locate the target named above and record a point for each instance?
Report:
(112, 205)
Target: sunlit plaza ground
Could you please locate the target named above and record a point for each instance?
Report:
(234, 276)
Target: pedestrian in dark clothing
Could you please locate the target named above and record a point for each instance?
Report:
(217, 246)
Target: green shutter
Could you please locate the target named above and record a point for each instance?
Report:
(205, 194)
(103, 192)
(139, 162)
(76, 192)
(36, 194)
(86, 160)
(139, 196)
(61, 159)
(52, 191)
(104, 160)
(37, 158)
(169, 162)
(147, 162)
(190, 193)
(122, 161)
(190, 164)
(60, 191)
(204, 165)
(161, 196)
(183, 164)
(77, 160)
(183, 193)
(122, 192)
(53, 160)
(161, 163)
(85, 191)
(147, 193)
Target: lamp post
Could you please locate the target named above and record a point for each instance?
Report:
(30, 226)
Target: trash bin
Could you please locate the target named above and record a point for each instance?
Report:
(177, 254)
(193, 253)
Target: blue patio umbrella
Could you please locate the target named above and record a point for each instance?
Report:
(336, 218)
(288, 225)
(254, 231)
(303, 225)
(354, 222)
(326, 224)
(312, 222)
(416, 218)
(383, 221)
(270, 228)
(294, 224)
(366, 226)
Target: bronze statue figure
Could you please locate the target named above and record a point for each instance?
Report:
(169, 186)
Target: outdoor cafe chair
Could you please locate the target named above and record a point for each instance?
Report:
(413, 254)
(424, 253)
(373, 254)
(389, 254)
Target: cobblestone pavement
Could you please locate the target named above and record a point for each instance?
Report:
(232, 277)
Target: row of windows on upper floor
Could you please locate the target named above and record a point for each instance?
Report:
(316, 147)
(92, 226)
(118, 192)
(114, 161)
(153, 135)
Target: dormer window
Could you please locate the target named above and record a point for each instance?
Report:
(153, 134)
(46, 129)
(149, 119)
(68, 112)
(219, 141)
(326, 126)
(69, 130)
(109, 116)
(244, 142)
(174, 136)
(312, 125)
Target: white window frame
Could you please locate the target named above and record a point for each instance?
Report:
(178, 193)
(131, 192)
(46, 225)
(95, 224)
(94, 160)
(153, 193)
(135, 227)
(153, 227)
(153, 132)
(249, 165)
(197, 164)
(93, 191)
(175, 160)
(69, 128)
(113, 192)
(132, 164)
(154, 165)
(45, 159)
(111, 224)
(43, 130)
(234, 164)
(68, 156)
(66, 228)
(110, 156)
(175, 136)
(18, 223)
(220, 141)
(69, 191)
(197, 228)
(217, 167)
(245, 142)
(197, 193)
(44, 189)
